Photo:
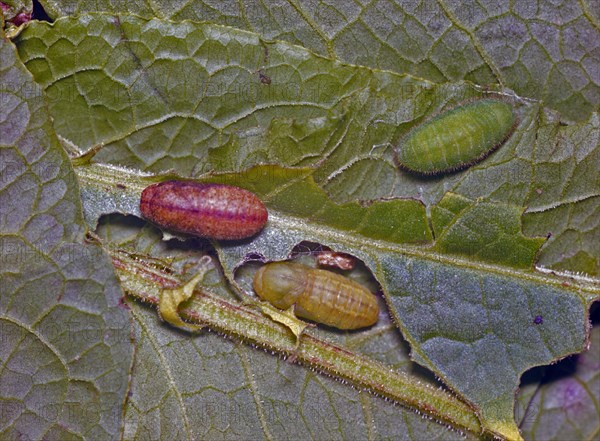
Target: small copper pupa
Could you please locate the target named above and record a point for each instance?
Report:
(215, 211)
(318, 295)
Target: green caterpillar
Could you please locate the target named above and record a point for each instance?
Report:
(457, 139)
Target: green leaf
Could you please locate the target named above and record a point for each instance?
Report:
(397, 221)
(158, 95)
(212, 387)
(295, 193)
(196, 118)
(453, 313)
(487, 231)
(233, 383)
(519, 45)
(564, 199)
(65, 351)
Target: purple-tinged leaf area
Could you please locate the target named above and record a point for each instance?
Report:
(458, 317)
(16, 12)
(65, 349)
(563, 403)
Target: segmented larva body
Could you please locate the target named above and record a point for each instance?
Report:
(318, 295)
(214, 211)
(335, 259)
(458, 138)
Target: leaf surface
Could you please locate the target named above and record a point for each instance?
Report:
(194, 98)
(519, 45)
(66, 349)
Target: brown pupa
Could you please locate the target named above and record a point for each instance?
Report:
(319, 295)
(214, 211)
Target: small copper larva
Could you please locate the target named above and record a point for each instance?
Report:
(458, 138)
(215, 211)
(335, 259)
(318, 295)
